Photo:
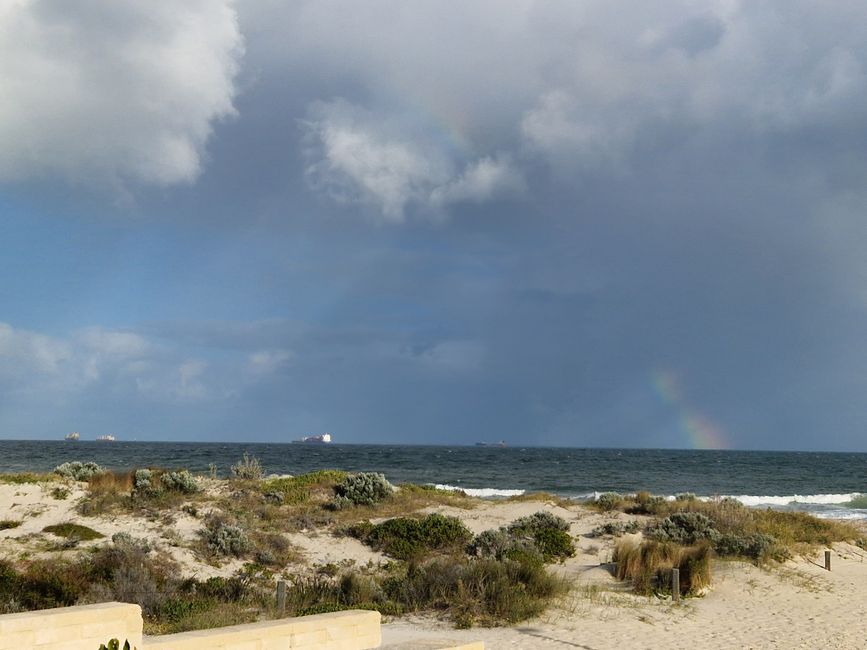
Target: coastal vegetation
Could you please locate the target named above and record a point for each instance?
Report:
(245, 532)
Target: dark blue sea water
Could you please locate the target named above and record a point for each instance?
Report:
(830, 484)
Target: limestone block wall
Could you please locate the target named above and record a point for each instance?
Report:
(71, 628)
(349, 630)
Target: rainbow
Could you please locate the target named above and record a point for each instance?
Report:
(700, 431)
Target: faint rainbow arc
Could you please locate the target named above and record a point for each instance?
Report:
(701, 432)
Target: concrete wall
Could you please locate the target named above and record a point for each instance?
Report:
(71, 628)
(88, 626)
(349, 630)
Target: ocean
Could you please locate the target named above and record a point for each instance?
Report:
(826, 484)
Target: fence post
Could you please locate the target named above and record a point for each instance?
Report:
(827, 560)
(675, 585)
(281, 598)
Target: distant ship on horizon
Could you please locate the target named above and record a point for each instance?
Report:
(322, 439)
(74, 436)
(106, 438)
(502, 443)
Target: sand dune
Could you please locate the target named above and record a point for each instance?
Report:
(795, 605)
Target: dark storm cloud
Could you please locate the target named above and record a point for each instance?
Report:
(501, 221)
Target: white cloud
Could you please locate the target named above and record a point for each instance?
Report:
(593, 86)
(22, 351)
(101, 92)
(360, 158)
(265, 362)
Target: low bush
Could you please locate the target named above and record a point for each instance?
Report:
(224, 539)
(406, 538)
(684, 528)
(615, 528)
(608, 501)
(60, 493)
(364, 489)
(644, 503)
(755, 546)
(475, 591)
(272, 550)
(549, 533)
(6, 524)
(78, 471)
(497, 544)
(179, 481)
(248, 468)
(144, 482)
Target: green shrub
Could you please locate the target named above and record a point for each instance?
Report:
(406, 538)
(248, 468)
(548, 532)
(78, 471)
(608, 501)
(615, 528)
(684, 528)
(755, 546)
(60, 493)
(475, 591)
(179, 481)
(364, 489)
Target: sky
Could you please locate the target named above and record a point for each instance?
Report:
(581, 223)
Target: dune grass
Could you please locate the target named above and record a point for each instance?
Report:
(6, 524)
(648, 565)
(23, 478)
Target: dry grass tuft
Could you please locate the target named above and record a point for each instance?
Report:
(648, 565)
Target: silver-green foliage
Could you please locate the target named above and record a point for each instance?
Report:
(226, 539)
(684, 528)
(78, 471)
(143, 481)
(179, 481)
(363, 489)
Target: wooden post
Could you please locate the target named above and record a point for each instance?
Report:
(281, 598)
(827, 560)
(675, 585)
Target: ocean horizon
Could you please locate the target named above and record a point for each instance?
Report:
(828, 484)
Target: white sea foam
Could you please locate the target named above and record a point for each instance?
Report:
(794, 499)
(851, 505)
(482, 492)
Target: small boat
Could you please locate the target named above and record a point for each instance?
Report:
(322, 439)
(502, 443)
(106, 438)
(74, 436)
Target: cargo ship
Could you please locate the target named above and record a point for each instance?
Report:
(322, 439)
(106, 438)
(74, 436)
